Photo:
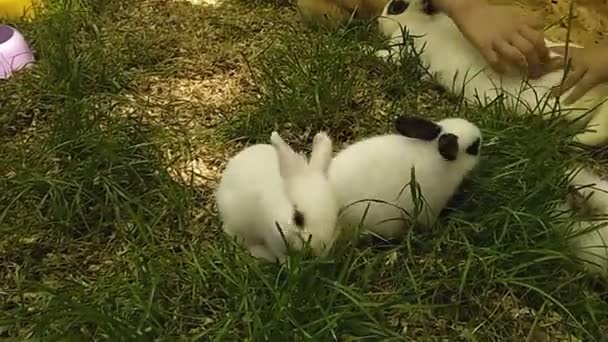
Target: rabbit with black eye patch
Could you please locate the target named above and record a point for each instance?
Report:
(265, 188)
(370, 177)
(460, 68)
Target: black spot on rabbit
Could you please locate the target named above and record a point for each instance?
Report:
(448, 146)
(428, 7)
(397, 7)
(417, 128)
(455, 135)
(474, 148)
(298, 218)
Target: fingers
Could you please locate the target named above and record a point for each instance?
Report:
(529, 52)
(492, 57)
(571, 80)
(587, 83)
(538, 42)
(511, 53)
(532, 31)
(526, 50)
(533, 21)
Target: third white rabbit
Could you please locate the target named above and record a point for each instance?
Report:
(588, 194)
(458, 66)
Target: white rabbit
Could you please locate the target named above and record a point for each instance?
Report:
(460, 68)
(589, 193)
(268, 185)
(375, 172)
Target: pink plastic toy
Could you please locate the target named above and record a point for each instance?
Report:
(15, 53)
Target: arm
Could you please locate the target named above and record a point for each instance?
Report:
(505, 36)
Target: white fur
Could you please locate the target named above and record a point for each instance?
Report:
(264, 184)
(379, 169)
(590, 238)
(459, 67)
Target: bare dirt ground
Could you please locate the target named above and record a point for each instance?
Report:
(589, 24)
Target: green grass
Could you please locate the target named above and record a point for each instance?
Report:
(98, 242)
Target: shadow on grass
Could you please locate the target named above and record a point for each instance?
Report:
(83, 174)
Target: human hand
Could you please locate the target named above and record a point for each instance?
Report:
(505, 36)
(586, 69)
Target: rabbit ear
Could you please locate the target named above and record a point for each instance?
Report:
(290, 162)
(322, 152)
(417, 128)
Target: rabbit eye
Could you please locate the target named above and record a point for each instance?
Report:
(298, 218)
(448, 146)
(474, 148)
(397, 7)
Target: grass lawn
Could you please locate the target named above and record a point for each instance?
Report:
(111, 148)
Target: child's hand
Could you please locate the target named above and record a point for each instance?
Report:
(505, 36)
(587, 68)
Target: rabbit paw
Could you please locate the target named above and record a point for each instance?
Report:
(260, 251)
(592, 137)
(383, 54)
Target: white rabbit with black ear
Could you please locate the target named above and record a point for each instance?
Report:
(460, 68)
(264, 187)
(370, 178)
(589, 195)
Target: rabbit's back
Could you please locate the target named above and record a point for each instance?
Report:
(380, 161)
(591, 236)
(379, 169)
(458, 66)
(448, 56)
